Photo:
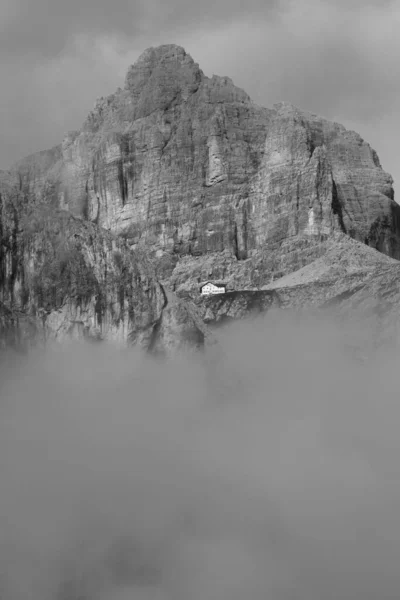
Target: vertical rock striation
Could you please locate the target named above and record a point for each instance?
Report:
(210, 184)
(63, 277)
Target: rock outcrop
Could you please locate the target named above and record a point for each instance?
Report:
(63, 277)
(223, 308)
(210, 184)
(181, 178)
(352, 284)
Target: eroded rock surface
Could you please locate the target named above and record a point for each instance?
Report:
(189, 167)
(62, 277)
(220, 309)
(354, 284)
(181, 178)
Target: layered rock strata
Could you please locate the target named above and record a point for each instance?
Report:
(181, 178)
(65, 277)
(188, 167)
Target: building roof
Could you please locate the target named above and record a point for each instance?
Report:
(212, 283)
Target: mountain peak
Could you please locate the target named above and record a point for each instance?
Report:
(163, 52)
(160, 76)
(167, 60)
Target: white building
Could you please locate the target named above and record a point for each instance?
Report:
(211, 288)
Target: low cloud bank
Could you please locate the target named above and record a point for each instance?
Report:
(267, 468)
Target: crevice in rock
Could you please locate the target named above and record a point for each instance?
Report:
(99, 308)
(14, 255)
(85, 208)
(123, 184)
(96, 220)
(235, 242)
(337, 206)
(157, 325)
(311, 147)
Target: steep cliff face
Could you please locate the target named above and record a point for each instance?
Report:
(181, 178)
(63, 277)
(212, 185)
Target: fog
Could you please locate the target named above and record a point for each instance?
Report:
(266, 468)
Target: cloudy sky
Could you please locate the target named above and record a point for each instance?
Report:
(337, 58)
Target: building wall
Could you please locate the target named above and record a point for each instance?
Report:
(212, 289)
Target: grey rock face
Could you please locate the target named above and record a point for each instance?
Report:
(221, 309)
(352, 283)
(63, 277)
(181, 178)
(188, 166)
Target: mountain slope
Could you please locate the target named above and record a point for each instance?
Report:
(181, 178)
(63, 277)
(188, 166)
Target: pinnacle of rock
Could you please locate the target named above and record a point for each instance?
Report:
(160, 76)
(158, 63)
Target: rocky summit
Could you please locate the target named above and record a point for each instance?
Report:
(177, 179)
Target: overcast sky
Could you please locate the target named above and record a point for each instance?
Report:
(337, 58)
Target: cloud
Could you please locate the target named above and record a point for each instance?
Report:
(337, 59)
(45, 26)
(270, 470)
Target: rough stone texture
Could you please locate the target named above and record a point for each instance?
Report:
(63, 277)
(354, 284)
(176, 317)
(221, 309)
(181, 178)
(345, 266)
(212, 185)
(350, 282)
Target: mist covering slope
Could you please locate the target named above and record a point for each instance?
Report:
(264, 466)
(181, 178)
(267, 468)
